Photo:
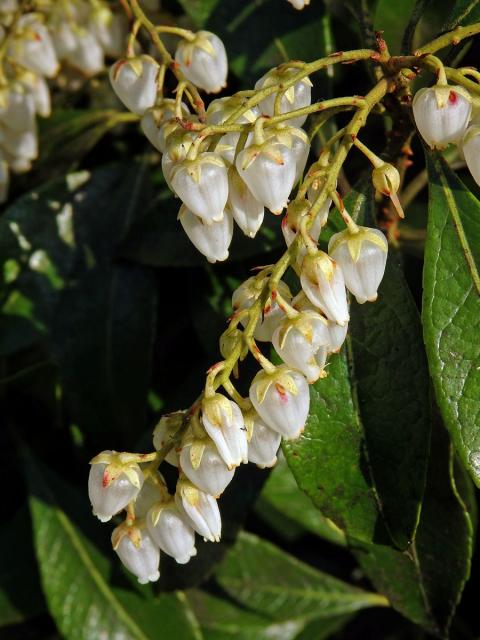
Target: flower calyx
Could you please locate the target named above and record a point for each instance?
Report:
(282, 380)
(118, 464)
(354, 241)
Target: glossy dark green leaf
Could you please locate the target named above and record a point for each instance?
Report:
(159, 240)
(363, 456)
(21, 596)
(75, 573)
(102, 339)
(451, 308)
(392, 18)
(282, 501)
(463, 12)
(222, 619)
(425, 582)
(292, 35)
(269, 581)
(51, 236)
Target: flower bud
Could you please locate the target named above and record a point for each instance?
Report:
(295, 97)
(169, 530)
(442, 114)
(323, 283)
(246, 294)
(302, 343)
(313, 192)
(112, 484)
(203, 466)
(203, 61)
(264, 442)
(212, 240)
(362, 257)
(137, 551)
(282, 400)
(202, 185)
(165, 432)
(134, 80)
(296, 210)
(223, 421)
(246, 210)
(269, 172)
(200, 510)
(471, 151)
(386, 179)
(154, 489)
(218, 112)
(153, 119)
(31, 46)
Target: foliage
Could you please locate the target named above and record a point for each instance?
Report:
(110, 317)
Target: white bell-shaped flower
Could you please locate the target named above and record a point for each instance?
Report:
(155, 117)
(137, 551)
(170, 531)
(297, 141)
(295, 97)
(153, 490)
(134, 80)
(202, 185)
(302, 343)
(471, 151)
(19, 111)
(282, 400)
(337, 336)
(63, 38)
(442, 114)
(177, 146)
(32, 48)
(323, 283)
(40, 92)
(264, 442)
(21, 143)
(246, 210)
(202, 464)
(296, 210)
(203, 61)
(362, 257)
(110, 29)
(212, 240)
(87, 55)
(165, 432)
(112, 484)
(223, 421)
(200, 510)
(269, 171)
(246, 294)
(299, 4)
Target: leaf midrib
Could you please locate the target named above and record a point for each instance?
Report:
(95, 575)
(458, 226)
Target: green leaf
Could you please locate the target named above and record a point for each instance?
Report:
(221, 619)
(363, 456)
(451, 308)
(266, 580)
(292, 35)
(464, 12)
(425, 582)
(158, 239)
(282, 495)
(102, 339)
(392, 18)
(75, 573)
(21, 597)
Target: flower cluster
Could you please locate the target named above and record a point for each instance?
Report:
(444, 115)
(229, 163)
(32, 47)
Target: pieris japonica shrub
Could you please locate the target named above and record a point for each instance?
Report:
(324, 369)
